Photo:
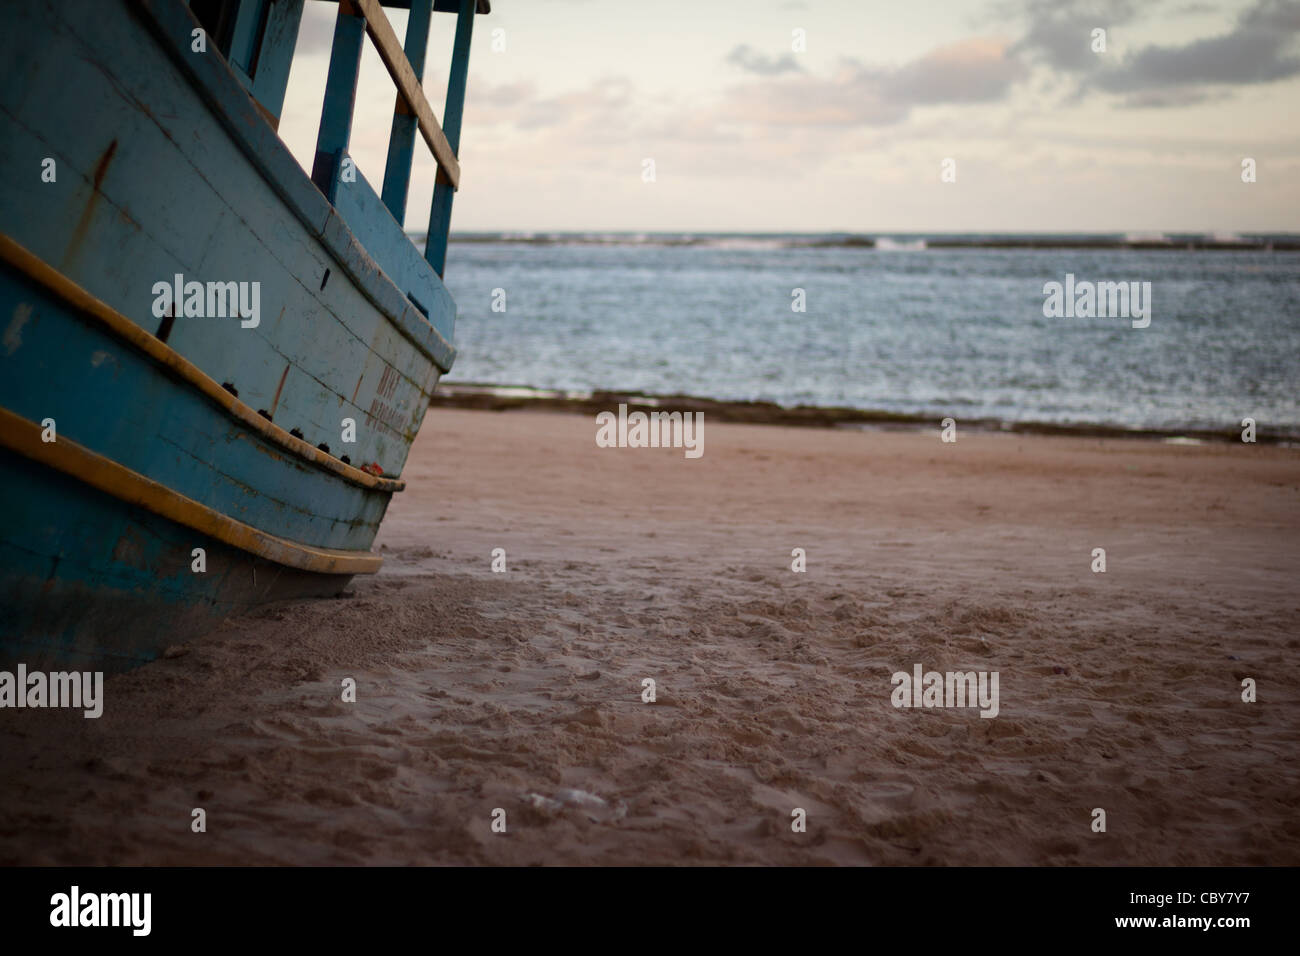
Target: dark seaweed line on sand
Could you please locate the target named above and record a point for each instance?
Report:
(499, 398)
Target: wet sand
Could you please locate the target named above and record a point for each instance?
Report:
(479, 690)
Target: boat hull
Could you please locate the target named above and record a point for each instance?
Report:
(163, 168)
(163, 469)
(90, 581)
(138, 491)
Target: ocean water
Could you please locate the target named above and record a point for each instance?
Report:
(901, 326)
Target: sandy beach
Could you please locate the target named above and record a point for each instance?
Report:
(522, 690)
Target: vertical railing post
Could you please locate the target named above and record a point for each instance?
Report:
(401, 141)
(340, 97)
(435, 249)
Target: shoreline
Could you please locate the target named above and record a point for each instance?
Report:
(483, 396)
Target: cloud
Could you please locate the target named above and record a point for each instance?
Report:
(1259, 49)
(752, 61)
(1060, 31)
(519, 105)
(976, 70)
(781, 116)
(854, 95)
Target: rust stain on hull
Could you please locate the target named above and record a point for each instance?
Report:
(279, 388)
(102, 166)
(97, 181)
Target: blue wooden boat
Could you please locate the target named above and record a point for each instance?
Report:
(189, 323)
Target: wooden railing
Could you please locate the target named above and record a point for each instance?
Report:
(408, 86)
(412, 111)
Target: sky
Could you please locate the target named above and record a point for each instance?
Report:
(750, 130)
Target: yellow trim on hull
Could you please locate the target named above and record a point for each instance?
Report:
(24, 437)
(56, 282)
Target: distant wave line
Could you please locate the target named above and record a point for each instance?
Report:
(892, 242)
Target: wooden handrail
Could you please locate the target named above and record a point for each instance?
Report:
(435, 248)
(408, 86)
